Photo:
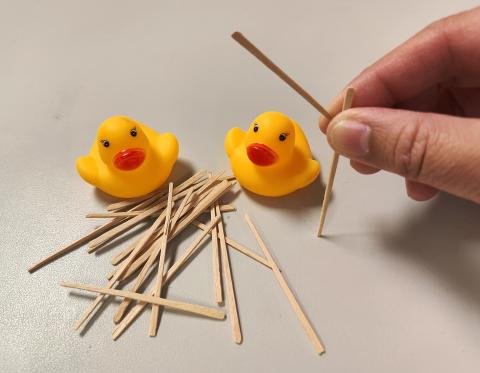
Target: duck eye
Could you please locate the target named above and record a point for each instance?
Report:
(255, 128)
(133, 132)
(105, 143)
(283, 136)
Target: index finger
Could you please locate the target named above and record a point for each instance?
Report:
(445, 51)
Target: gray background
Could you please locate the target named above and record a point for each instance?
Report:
(396, 285)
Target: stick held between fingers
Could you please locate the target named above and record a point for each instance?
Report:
(347, 104)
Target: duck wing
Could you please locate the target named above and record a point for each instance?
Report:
(233, 139)
(301, 142)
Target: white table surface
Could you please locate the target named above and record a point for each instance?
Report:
(395, 287)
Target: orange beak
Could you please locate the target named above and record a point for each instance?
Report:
(261, 154)
(129, 159)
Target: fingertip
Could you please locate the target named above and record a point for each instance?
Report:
(323, 124)
(420, 192)
(363, 168)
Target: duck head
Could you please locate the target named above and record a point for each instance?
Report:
(270, 139)
(122, 144)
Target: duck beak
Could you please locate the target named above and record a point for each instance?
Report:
(261, 154)
(129, 159)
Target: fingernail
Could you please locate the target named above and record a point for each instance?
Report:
(350, 138)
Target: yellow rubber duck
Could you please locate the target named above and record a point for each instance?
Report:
(273, 157)
(128, 159)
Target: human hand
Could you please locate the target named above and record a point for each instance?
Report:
(417, 112)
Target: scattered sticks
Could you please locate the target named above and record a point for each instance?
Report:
(230, 290)
(182, 306)
(127, 320)
(161, 264)
(217, 276)
(347, 104)
(288, 292)
(199, 194)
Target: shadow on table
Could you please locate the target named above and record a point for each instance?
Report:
(445, 239)
(181, 171)
(310, 196)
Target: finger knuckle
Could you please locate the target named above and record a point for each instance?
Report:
(410, 149)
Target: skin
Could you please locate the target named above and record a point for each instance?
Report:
(416, 112)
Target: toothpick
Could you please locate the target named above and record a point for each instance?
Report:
(113, 281)
(230, 290)
(157, 291)
(217, 277)
(288, 292)
(187, 183)
(182, 306)
(124, 253)
(189, 252)
(154, 253)
(347, 103)
(128, 214)
(180, 208)
(214, 194)
(248, 45)
(76, 244)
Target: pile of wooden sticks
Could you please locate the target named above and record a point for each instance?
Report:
(170, 211)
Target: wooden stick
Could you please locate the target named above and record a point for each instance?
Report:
(239, 247)
(76, 244)
(112, 233)
(211, 197)
(113, 281)
(135, 311)
(124, 253)
(151, 211)
(158, 193)
(217, 276)
(288, 292)
(127, 214)
(155, 251)
(347, 103)
(247, 44)
(182, 306)
(157, 291)
(230, 290)
(180, 208)
(191, 250)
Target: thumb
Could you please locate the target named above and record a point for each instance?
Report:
(437, 150)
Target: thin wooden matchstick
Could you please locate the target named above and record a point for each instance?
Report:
(151, 211)
(347, 103)
(180, 208)
(202, 200)
(189, 252)
(112, 233)
(182, 306)
(230, 242)
(186, 184)
(248, 45)
(117, 275)
(124, 253)
(288, 292)
(214, 194)
(143, 202)
(229, 288)
(217, 276)
(157, 290)
(76, 244)
(128, 214)
(155, 251)
(239, 247)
